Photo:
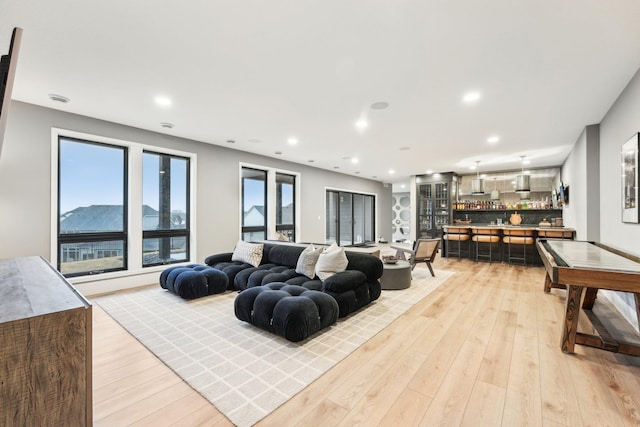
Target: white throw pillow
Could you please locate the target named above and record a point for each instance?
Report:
(251, 253)
(307, 261)
(332, 260)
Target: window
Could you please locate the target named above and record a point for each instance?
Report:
(120, 207)
(165, 209)
(350, 218)
(268, 203)
(285, 206)
(92, 214)
(254, 204)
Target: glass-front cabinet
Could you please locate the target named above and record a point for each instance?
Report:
(435, 196)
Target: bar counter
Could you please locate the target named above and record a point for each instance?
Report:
(479, 240)
(535, 227)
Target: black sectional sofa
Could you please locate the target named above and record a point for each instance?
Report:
(352, 289)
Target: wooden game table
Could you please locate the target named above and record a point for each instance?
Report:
(584, 268)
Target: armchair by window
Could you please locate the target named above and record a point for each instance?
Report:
(424, 250)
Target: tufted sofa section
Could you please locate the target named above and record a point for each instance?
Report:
(290, 311)
(352, 289)
(193, 281)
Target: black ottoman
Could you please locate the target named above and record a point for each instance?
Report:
(194, 281)
(291, 311)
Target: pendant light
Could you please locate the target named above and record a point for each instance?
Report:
(477, 185)
(495, 194)
(522, 181)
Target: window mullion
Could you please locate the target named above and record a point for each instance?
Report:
(135, 207)
(271, 204)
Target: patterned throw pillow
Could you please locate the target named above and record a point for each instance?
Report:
(307, 261)
(251, 253)
(332, 260)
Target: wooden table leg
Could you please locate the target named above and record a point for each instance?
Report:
(547, 284)
(637, 295)
(589, 298)
(572, 312)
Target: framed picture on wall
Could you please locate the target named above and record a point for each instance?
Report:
(630, 180)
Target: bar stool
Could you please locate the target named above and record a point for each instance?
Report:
(555, 234)
(456, 234)
(486, 235)
(521, 237)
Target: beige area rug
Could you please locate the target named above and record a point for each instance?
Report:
(244, 371)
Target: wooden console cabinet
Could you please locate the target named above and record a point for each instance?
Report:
(45, 347)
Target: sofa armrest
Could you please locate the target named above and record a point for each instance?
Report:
(344, 281)
(215, 259)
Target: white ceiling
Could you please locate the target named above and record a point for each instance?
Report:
(259, 72)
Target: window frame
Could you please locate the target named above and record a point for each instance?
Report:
(286, 227)
(270, 209)
(181, 232)
(254, 228)
(338, 192)
(135, 273)
(93, 237)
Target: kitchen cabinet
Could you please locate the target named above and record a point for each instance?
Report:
(434, 198)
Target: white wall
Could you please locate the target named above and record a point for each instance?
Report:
(574, 174)
(580, 172)
(25, 188)
(618, 125)
(593, 171)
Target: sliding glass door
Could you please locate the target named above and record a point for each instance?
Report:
(350, 218)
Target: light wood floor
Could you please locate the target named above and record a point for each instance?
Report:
(482, 350)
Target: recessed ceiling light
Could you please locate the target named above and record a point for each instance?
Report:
(493, 139)
(58, 98)
(362, 124)
(374, 176)
(471, 97)
(429, 171)
(278, 152)
(357, 173)
(163, 101)
(336, 167)
(310, 161)
(231, 141)
(391, 171)
(167, 125)
(381, 105)
(292, 141)
(472, 167)
(354, 160)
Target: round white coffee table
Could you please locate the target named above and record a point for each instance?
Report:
(396, 276)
